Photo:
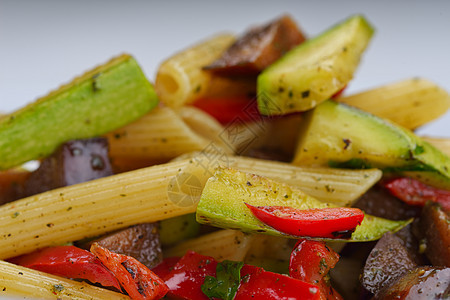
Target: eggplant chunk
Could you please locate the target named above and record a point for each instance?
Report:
(258, 48)
(378, 202)
(434, 231)
(73, 162)
(139, 241)
(387, 261)
(11, 184)
(420, 283)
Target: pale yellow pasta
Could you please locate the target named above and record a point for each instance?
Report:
(442, 144)
(180, 79)
(339, 186)
(225, 244)
(162, 135)
(151, 194)
(410, 103)
(95, 207)
(18, 281)
(206, 126)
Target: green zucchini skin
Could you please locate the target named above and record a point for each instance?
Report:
(314, 70)
(338, 135)
(222, 204)
(103, 99)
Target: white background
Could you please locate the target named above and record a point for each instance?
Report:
(46, 43)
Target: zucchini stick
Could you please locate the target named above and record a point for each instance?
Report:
(99, 101)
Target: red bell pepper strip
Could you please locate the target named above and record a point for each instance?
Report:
(311, 261)
(188, 275)
(336, 222)
(230, 109)
(164, 268)
(69, 262)
(259, 284)
(137, 280)
(414, 192)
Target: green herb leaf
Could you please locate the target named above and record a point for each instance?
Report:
(226, 283)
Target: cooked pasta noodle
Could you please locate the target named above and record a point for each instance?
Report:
(339, 186)
(222, 244)
(162, 135)
(148, 195)
(91, 208)
(410, 103)
(180, 79)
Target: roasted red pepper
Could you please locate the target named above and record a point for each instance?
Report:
(230, 109)
(164, 268)
(259, 284)
(414, 192)
(311, 261)
(69, 262)
(337, 222)
(137, 280)
(188, 275)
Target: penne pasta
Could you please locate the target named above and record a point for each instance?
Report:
(180, 79)
(151, 194)
(409, 103)
(162, 135)
(223, 244)
(207, 127)
(24, 282)
(93, 208)
(442, 144)
(339, 186)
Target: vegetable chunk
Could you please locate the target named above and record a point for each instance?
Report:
(315, 70)
(99, 101)
(222, 204)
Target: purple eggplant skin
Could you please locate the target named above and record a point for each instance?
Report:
(388, 261)
(73, 162)
(258, 48)
(420, 283)
(434, 232)
(139, 241)
(379, 202)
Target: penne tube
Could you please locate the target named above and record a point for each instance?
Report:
(162, 135)
(94, 208)
(409, 103)
(207, 127)
(18, 281)
(223, 244)
(149, 195)
(338, 186)
(341, 187)
(181, 79)
(442, 144)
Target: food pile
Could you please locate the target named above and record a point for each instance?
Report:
(243, 172)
